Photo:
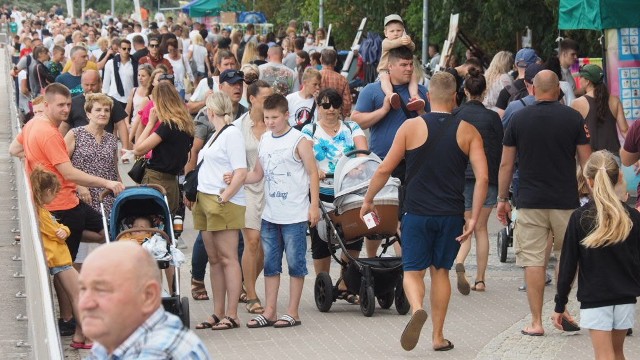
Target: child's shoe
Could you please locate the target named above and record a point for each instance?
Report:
(394, 100)
(415, 104)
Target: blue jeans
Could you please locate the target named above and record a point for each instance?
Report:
(199, 258)
(288, 238)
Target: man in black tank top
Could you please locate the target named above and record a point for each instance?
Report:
(437, 148)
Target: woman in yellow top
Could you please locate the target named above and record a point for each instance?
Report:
(45, 185)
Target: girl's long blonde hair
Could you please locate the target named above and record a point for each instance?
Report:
(501, 63)
(171, 109)
(612, 222)
(41, 181)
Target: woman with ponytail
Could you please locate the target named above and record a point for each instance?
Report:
(219, 210)
(601, 111)
(602, 245)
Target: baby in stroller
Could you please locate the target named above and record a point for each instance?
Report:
(141, 222)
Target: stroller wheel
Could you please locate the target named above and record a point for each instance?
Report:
(323, 292)
(402, 304)
(503, 245)
(184, 312)
(367, 300)
(385, 301)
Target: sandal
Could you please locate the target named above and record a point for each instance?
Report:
(254, 310)
(208, 325)
(260, 321)
(288, 320)
(475, 286)
(198, 291)
(351, 298)
(231, 324)
(243, 296)
(80, 345)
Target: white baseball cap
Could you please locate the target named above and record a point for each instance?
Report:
(392, 17)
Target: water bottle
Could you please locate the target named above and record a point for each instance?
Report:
(177, 225)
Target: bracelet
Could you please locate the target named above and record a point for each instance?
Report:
(503, 199)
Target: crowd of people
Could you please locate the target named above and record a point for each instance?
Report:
(264, 120)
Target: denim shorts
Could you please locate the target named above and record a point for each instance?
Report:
(58, 269)
(607, 318)
(430, 240)
(284, 238)
(490, 201)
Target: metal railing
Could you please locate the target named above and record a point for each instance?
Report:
(42, 327)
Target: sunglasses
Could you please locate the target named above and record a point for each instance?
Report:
(169, 77)
(125, 49)
(153, 45)
(327, 105)
(231, 74)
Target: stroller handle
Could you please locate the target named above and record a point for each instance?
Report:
(357, 152)
(157, 231)
(107, 192)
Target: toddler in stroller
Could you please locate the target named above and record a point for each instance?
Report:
(142, 212)
(340, 224)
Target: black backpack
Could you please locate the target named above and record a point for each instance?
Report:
(241, 47)
(515, 93)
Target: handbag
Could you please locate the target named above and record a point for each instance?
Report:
(137, 170)
(188, 84)
(190, 185)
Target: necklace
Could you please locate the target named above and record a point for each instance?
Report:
(334, 129)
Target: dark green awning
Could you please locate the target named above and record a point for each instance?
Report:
(598, 14)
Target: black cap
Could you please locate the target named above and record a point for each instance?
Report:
(531, 72)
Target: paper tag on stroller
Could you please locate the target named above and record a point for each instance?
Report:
(371, 220)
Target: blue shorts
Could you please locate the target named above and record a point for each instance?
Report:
(490, 201)
(58, 269)
(284, 238)
(430, 240)
(607, 318)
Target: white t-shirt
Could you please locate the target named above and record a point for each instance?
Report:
(226, 154)
(300, 109)
(23, 101)
(199, 56)
(286, 182)
(179, 71)
(201, 90)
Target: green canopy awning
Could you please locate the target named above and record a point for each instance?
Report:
(598, 14)
(202, 8)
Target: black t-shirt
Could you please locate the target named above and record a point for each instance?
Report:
(545, 135)
(140, 54)
(171, 155)
(78, 117)
(504, 96)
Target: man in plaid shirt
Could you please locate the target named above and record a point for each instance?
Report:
(333, 79)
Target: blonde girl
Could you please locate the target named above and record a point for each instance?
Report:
(602, 245)
(498, 78)
(45, 186)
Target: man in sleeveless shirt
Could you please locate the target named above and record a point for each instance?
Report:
(436, 148)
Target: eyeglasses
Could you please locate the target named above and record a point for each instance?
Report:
(153, 45)
(125, 49)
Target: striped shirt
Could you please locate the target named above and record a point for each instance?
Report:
(161, 336)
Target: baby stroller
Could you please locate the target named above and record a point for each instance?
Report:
(379, 277)
(148, 201)
(505, 236)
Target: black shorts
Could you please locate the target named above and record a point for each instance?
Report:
(320, 248)
(80, 218)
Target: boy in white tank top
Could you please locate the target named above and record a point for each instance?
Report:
(289, 168)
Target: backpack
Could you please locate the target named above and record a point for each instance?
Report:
(515, 93)
(243, 43)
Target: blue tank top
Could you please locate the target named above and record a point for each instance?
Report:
(436, 170)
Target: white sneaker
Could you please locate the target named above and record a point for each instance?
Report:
(180, 244)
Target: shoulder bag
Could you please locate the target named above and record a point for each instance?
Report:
(137, 170)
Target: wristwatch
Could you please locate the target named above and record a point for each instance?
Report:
(503, 199)
(220, 200)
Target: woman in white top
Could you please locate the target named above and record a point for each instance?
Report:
(252, 126)
(198, 54)
(498, 78)
(301, 103)
(219, 209)
(180, 68)
(139, 97)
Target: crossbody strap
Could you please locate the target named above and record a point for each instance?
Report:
(435, 139)
(212, 141)
(405, 110)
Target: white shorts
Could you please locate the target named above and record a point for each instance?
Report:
(607, 318)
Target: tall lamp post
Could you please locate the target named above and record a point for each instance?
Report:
(425, 30)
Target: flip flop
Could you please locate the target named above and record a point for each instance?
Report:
(208, 325)
(568, 325)
(290, 321)
(411, 333)
(260, 322)
(530, 333)
(463, 284)
(447, 347)
(231, 324)
(80, 345)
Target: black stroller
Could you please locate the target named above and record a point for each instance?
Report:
(149, 201)
(379, 277)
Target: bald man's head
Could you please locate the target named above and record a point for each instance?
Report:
(275, 54)
(90, 82)
(546, 86)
